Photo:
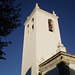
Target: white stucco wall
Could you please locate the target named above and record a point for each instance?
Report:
(46, 41)
(29, 49)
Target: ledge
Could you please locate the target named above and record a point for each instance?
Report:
(56, 59)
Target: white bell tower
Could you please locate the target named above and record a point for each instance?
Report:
(41, 40)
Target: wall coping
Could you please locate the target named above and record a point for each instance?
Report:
(56, 59)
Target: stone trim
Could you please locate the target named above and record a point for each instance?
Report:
(56, 59)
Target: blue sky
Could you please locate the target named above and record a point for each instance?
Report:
(65, 9)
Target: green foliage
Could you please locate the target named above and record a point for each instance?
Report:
(9, 20)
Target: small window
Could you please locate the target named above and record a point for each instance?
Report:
(32, 27)
(28, 25)
(28, 29)
(32, 23)
(33, 19)
(50, 25)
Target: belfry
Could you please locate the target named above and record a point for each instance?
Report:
(43, 51)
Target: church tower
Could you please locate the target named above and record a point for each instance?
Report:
(41, 40)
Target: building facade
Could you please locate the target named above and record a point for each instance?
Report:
(41, 40)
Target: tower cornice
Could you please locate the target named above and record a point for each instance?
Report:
(56, 59)
(41, 11)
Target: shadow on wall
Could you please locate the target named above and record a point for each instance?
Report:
(29, 71)
(72, 72)
(53, 72)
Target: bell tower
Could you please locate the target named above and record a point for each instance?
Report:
(41, 40)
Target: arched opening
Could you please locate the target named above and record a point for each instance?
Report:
(32, 19)
(28, 29)
(32, 23)
(50, 25)
(33, 27)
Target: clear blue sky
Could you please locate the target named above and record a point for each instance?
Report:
(65, 9)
